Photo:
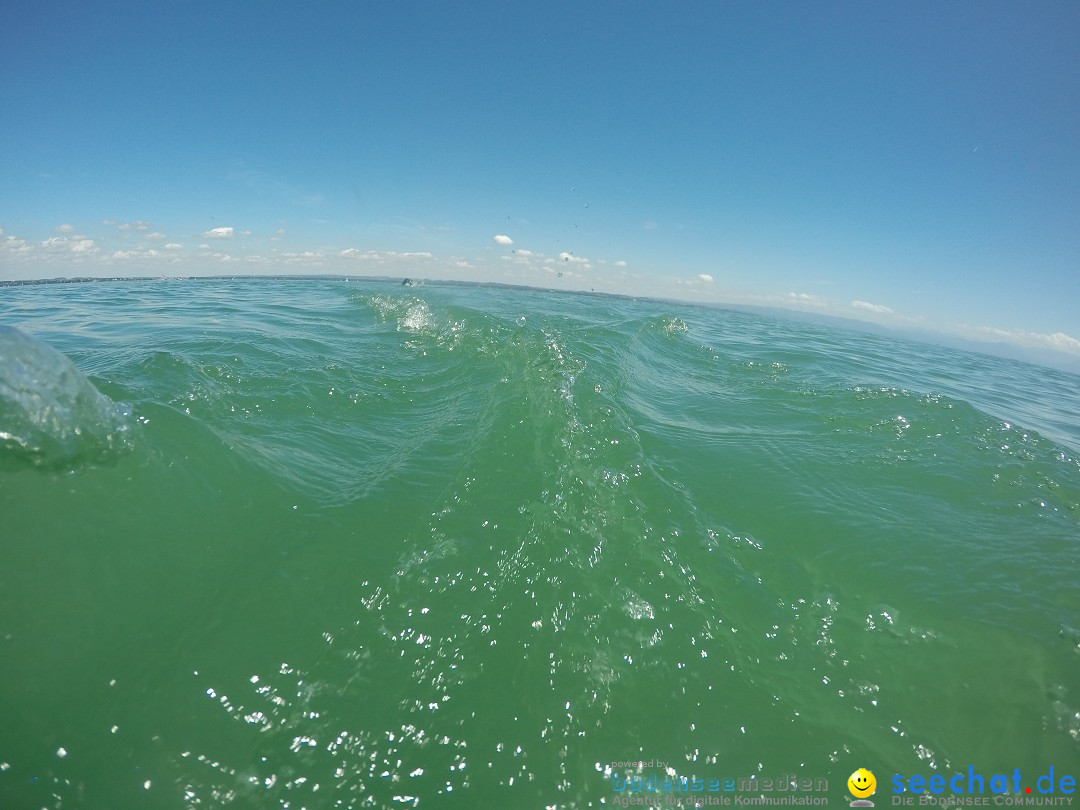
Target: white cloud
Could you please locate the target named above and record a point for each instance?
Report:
(705, 277)
(155, 236)
(307, 257)
(64, 229)
(1063, 342)
(524, 252)
(137, 253)
(138, 225)
(16, 245)
(502, 239)
(173, 246)
(570, 258)
(61, 244)
(382, 255)
(878, 308)
(1058, 341)
(620, 263)
(218, 233)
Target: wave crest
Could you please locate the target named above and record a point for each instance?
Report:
(50, 413)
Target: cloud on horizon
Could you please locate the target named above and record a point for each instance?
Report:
(382, 255)
(60, 245)
(570, 258)
(876, 308)
(1058, 341)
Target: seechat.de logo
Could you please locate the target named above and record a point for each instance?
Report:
(971, 788)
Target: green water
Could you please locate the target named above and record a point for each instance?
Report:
(358, 545)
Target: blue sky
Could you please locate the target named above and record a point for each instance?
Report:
(917, 164)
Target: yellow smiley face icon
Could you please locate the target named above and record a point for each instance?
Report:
(862, 784)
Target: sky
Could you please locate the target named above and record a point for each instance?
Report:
(914, 164)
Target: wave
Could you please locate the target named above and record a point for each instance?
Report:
(51, 415)
(414, 542)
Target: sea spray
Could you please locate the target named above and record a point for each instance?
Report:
(50, 413)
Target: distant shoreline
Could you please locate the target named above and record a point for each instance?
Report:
(418, 282)
(89, 279)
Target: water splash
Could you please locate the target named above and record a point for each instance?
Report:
(50, 413)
